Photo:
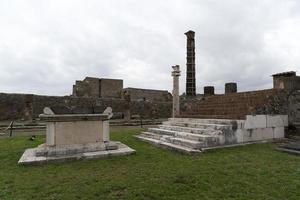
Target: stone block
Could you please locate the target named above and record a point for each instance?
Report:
(50, 134)
(258, 134)
(251, 135)
(267, 133)
(279, 132)
(240, 135)
(277, 120)
(255, 121)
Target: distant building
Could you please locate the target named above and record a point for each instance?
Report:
(113, 88)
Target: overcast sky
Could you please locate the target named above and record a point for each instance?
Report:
(46, 45)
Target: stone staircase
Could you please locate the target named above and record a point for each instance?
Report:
(191, 136)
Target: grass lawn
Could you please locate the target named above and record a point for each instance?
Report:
(249, 172)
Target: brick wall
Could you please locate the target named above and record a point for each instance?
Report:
(238, 105)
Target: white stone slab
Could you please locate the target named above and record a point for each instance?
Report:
(279, 132)
(277, 120)
(29, 156)
(255, 121)
(50, 134)
(105, 131)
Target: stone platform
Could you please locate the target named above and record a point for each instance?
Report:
(44, 154)
(192, 136)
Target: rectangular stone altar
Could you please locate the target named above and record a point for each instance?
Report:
(74, 137)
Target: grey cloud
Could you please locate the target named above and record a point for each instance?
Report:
(46, 46)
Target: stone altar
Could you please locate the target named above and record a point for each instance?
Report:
(74, 137)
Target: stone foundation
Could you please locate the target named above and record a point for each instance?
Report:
(196, 135)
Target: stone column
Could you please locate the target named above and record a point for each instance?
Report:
(190, 64)
(175, 92)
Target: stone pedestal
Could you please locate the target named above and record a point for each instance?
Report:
(175, 93)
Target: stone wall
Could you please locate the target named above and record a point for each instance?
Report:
(26, 106)
(147, 94)
(94, 86)
(111, 88)
(283, 103)
(238, 105)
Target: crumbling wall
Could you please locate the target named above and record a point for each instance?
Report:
(294, 107)
(148, 95)
(12, 106)
(27, 106)
(111, 88)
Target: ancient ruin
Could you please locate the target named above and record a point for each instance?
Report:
(195, 134)
(74, 137)
(230, 119)
(93, 95)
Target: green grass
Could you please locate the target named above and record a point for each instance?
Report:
(249, 172)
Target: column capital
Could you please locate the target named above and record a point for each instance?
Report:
(176, 70)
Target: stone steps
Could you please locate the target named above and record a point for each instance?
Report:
(205, 121)
(198, 125)
(208, 140)
(168, 145)
(188, 135)
(194, 143)
(190, 130)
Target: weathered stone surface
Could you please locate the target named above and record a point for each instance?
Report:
(255, 121)
(30, 157)
(277, 120)
(278, 132)
(175, 92)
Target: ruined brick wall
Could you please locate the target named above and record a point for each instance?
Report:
(230, 106)
(148, 95)
(111, 88)
(238, 105)
(285, 102)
